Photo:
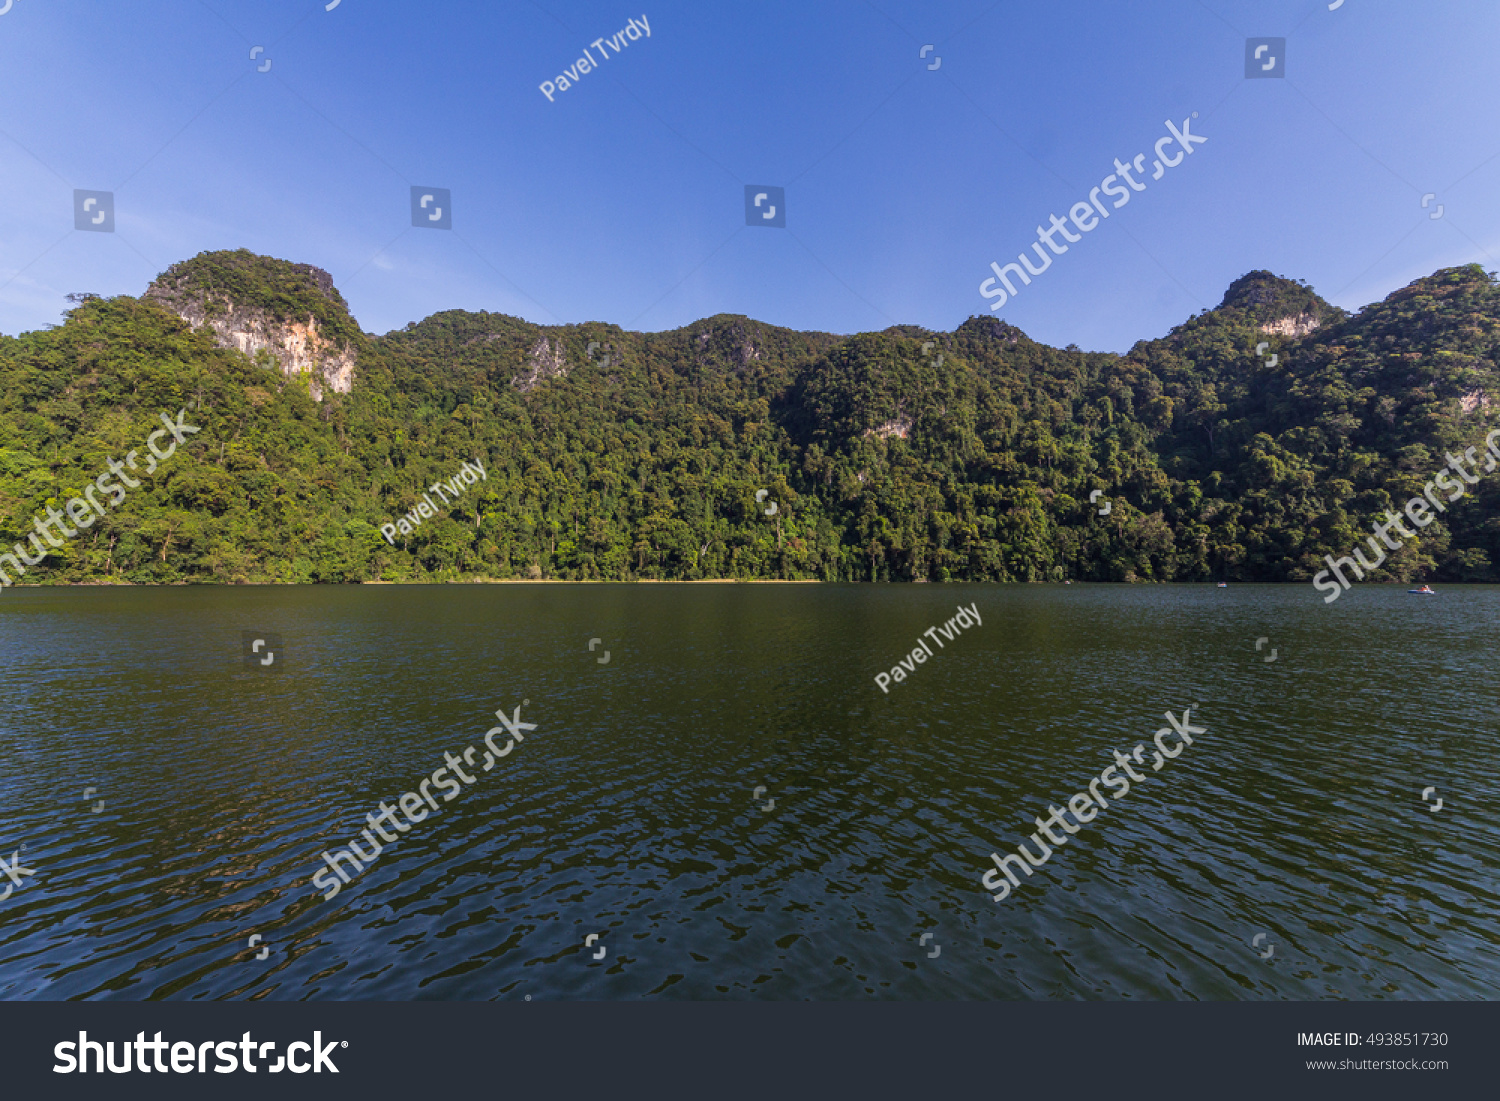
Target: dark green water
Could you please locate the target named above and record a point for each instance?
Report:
(628, 812)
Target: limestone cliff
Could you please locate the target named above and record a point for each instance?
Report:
(291, 312)
(546, 360)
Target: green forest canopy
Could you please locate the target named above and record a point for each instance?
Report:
(897, 455)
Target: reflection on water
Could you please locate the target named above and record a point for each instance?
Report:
(631, 811)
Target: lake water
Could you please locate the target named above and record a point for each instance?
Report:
(630, 811)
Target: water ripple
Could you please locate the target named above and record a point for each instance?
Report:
(630, 812)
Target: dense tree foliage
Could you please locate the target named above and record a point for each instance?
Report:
(899, 455)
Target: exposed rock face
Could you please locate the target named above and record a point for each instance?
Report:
(297, 344)
(545, 360)
(1300, 325)
(900, 426)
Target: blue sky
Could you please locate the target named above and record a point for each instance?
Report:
(622, 199)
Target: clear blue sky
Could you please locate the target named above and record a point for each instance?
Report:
(623, 199)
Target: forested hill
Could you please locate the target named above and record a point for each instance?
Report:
(897, 455)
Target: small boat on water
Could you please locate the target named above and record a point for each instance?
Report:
(1425, 590)
(1223, 584)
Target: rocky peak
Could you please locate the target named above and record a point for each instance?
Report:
(1277, 305)
(291, 312)
(728, 339)
(989, 327)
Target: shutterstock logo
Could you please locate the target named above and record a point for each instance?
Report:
(187, 1058)
(1171, 150)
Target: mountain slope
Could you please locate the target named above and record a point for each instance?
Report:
(897, 455)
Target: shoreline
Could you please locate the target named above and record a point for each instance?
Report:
(640, 581)
(464, 581)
